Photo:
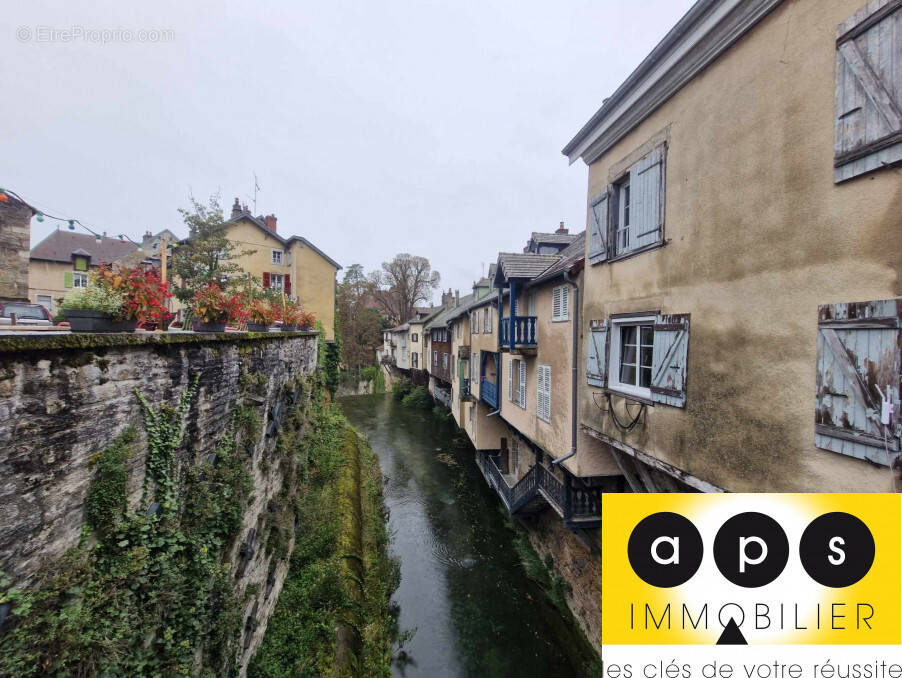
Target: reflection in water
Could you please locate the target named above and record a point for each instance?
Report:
(462, 586)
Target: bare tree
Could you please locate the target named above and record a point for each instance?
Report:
(403, 282)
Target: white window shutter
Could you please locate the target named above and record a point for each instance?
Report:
(598, 227)
(556, 303)
(858, 358)
(565, 302)
(647, 199)
(510, 379)
(670, 360)
(543, 392)
(868, 91)
(522, 394)
(597, 353)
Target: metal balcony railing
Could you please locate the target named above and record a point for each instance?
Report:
(520, 330)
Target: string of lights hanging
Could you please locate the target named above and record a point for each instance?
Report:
(40, 215)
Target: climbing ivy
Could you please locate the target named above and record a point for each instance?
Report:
(145, 593)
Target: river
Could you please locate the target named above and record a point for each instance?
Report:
(463, 589)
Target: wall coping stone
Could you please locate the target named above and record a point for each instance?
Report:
(79, 341)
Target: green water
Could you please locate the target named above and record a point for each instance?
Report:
(462, 586)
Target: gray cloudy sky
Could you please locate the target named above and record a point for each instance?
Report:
(428, 127)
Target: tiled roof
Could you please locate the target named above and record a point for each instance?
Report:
(60, 245)
(525, 265)
(570, 255)
(554, 238)
(259, 223)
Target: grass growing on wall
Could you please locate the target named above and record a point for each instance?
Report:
(332, 617)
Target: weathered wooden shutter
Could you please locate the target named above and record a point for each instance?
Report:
(869, 90)
(287, 285)
(522, 384)
(266, 280)
(670, 360)
(647, 199)
(858, 366)
(510, 379)
(598, 227)
(596, 360)
(68, 279)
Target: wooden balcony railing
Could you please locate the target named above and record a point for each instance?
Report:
(488, 391)
(518, 331)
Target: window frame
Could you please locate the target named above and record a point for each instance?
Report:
(617, 323)
(272, 279)
(622, 209)
(79, 276)
(272, 257)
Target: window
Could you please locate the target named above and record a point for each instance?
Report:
(628, 215)
(543, 393)
(444, 361)
(415, 360)
(276, 281)
(80, 264)
(516, 382)
(560, 303)
(435, 359)
(80, 280)
(474, 322)
(632, 349)
(278, 257)
(414, 338)
(531, 304)
(46, 301)
(622, 217)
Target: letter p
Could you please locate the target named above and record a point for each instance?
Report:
(743, 554)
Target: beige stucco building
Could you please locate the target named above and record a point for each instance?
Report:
(743, 187)
(292, 264)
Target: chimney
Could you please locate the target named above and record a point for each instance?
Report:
(562, 230)
(270, 221)
(236, 209)
(447, 298)
(457, 297)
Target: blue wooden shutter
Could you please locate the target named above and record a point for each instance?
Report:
(596, 360)
(646, 199)
(598, 227)
(857, 367)
(670, 360)
(868, 128)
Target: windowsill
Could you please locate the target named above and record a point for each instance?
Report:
(630, 254)
(637, 397)
(560, 320)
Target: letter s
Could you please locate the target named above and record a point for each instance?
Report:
(840, 556)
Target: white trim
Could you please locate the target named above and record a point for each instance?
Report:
(707, 30)
(272, 257)
(614, 382)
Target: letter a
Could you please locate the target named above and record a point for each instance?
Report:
(674, 558)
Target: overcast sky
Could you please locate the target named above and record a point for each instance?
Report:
(433, 128)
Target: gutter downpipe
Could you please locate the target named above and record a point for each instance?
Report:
(573, 394)
(498, 366)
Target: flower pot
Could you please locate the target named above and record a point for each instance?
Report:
(164, 325)
(289, 328)
(84, 320)
(257, 327)
(306, 328)
(199, 326)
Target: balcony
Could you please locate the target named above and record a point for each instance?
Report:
(518, 332)
(488, 391)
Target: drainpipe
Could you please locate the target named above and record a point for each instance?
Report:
(573, 376)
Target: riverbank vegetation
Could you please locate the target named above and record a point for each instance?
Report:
(333, 615)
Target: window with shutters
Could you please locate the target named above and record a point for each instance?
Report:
(627, 216)
(560, 303)
(640, 355)
(516, 382)
(80, 280)
(474, 323)
(276, 281)
(543, 393)
(858, 366)
(868, 90)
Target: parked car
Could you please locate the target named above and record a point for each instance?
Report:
(25, 312)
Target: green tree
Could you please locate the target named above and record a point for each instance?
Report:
(361, 324)
(208, 255)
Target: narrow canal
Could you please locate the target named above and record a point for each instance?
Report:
(463, 589)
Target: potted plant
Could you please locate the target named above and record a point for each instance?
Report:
(290, 315)
(261, 314)
(306, 320)
(97, 309)
(212, 309)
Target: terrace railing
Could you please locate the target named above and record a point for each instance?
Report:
(518, 331)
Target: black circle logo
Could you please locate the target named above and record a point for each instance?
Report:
(665, 549)
(837, 549)
(751, 549)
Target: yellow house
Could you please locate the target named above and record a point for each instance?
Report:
(293, 264)
(63, 260)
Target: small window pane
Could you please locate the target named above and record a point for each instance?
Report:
(645, 377)
(628, 354)
(647, 356)
(648, 335)
(627, 374)
(628, 335)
